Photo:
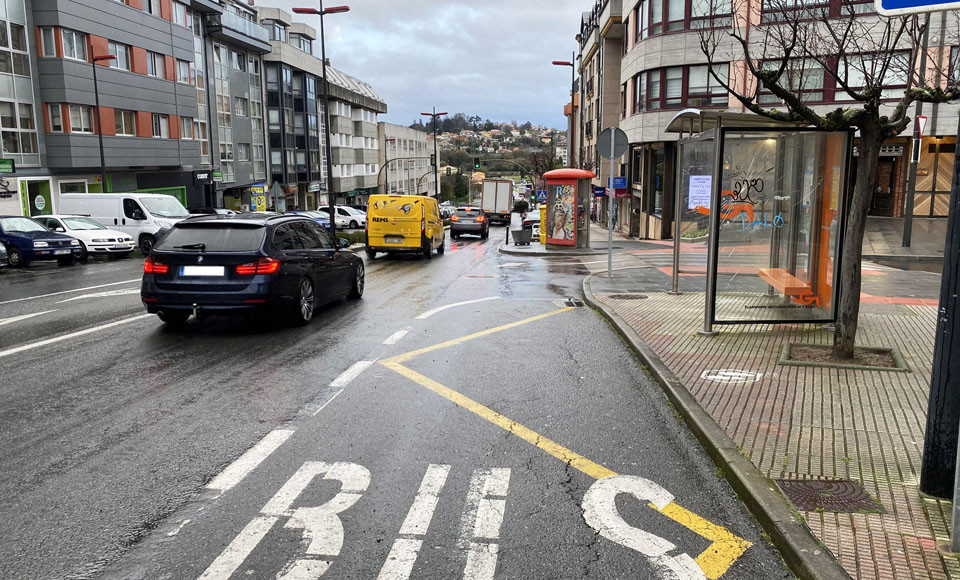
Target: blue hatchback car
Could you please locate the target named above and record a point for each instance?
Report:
(26, 241)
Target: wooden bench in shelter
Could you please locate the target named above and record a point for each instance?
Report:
(789, 285)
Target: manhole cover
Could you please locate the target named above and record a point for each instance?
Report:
(834, 495)
(574, 303)
(731, 376)
(628, 296)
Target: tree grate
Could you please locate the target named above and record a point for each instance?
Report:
(832, 495)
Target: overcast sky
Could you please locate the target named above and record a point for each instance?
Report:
(489, 57)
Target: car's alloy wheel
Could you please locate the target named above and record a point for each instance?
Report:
(146, 244)
(305, 302)
(359, 279)
(353, 225)
(15, 258)
(84, 254)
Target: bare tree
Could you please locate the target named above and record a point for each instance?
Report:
(541, 161)
(780, 50)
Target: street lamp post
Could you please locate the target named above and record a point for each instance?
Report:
(436, 151)
(573, 104)
(96, 99)
(331, 202)
(386, 160)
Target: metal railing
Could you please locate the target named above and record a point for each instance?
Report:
(244, 26)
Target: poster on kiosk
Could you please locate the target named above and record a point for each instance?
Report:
(562, 215)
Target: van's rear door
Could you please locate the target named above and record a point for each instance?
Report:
(395, 222)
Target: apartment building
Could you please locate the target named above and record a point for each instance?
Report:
(405, 159)
(295, 121)
(652, 50)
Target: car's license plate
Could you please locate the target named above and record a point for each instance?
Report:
(61, 252)
(212, 271)
(393, 240)
(117, 246)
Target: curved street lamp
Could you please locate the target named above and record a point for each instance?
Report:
(96, 96)
(573, 103)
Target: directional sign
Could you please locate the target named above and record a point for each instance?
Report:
(541, 195)
(618, 182)
(900, 7)
(599, 191)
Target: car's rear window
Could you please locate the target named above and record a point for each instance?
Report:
(215, 238)
(467, 212)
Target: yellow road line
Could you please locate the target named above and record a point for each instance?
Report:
(415, 353)
(714, 561)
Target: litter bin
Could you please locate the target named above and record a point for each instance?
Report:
(522, 237)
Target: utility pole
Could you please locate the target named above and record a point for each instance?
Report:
(915, 155)
(436, 150)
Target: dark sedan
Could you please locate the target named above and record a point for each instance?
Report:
(27, 240)
(469, 220)
(226, 264)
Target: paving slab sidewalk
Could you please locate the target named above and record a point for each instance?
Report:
(814, 423)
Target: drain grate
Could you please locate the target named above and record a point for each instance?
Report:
(628, 296)
(833, 495)
(573, 303)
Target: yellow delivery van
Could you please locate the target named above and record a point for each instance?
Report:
(404, 223)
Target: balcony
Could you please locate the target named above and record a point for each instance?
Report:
(610, 22)
(233, 28)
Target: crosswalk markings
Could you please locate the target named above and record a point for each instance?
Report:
(714, 562)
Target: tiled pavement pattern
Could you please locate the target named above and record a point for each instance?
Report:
(884, 237)
(800, 422)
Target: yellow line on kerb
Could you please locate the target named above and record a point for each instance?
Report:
(714, 561)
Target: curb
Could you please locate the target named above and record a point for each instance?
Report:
(800, 549)
(902, 259)
(545, 253)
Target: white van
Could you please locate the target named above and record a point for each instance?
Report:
(140, 215)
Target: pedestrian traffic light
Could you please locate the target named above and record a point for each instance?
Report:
(476, 163)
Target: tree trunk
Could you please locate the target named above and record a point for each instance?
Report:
(848, 309)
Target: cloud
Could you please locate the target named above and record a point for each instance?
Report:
(489, 58)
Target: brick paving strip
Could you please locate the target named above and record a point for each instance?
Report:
(805, 423)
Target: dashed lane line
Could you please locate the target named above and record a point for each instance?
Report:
(725, 547)
(4, 321)
(246, 463)
(330, 400)
(396, 336)
(68, 291)
(56, 339)
(351, 373)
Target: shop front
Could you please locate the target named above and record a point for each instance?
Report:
(648, 214)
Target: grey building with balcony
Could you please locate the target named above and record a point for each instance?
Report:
(295, 121)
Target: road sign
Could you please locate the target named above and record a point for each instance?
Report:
(613, 150)
(541, 195)
(618, 182)
(599, 191)
(900, 7)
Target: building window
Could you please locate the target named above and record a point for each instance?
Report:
(183, 72)
(126, 122)
(161, 126)
(74, 44)
(802, 76)
(48, 39)
(243, 152)
(859, 70)
(81, 119)
(241, 107)
(186, 128)
(122, 52)
(13, 50)
(152, 6)
(703, 89)
(179, 14)
(273, 119)
(155, 66)
(56, 117)
(239, 60)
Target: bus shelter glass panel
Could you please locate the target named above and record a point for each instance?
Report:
(693, 208)
(779, 225)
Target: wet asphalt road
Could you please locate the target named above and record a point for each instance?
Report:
(119, 445)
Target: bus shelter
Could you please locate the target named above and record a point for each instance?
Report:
(760, 209)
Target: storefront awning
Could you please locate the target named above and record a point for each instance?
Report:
(698, 120)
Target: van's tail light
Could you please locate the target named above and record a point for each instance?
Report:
(261, 266)
(423, 220)
(454, 218)
(152, 267)
(481, 219)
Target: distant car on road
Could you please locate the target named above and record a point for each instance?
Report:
(27, 240)
(249, 261)
(94, 238)
(532, 222)
(355, 217)
(321, 218)
(469, 220)
(211, 210)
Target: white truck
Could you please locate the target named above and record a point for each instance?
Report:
(496, 199)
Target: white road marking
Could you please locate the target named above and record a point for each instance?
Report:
(482, 520)
(510, 265)
(330, 400)
(306, 570)
(400, 560)
(430, 313)
(57, 339)
(180, 527)
(600, 512)
(396, 336)
(239, 469)
(421, 512)
(4, 321)
(351, 373)
(238, 550)
(68, 291)
(107, 294)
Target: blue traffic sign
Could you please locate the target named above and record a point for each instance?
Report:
(900, 7)
(599, 191)
(618, 182)
(542, 195)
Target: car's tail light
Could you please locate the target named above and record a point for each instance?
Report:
(454, 218)
(481, 219)
(151, 267)
(261, 266)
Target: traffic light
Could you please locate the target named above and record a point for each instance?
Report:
(476, 163)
